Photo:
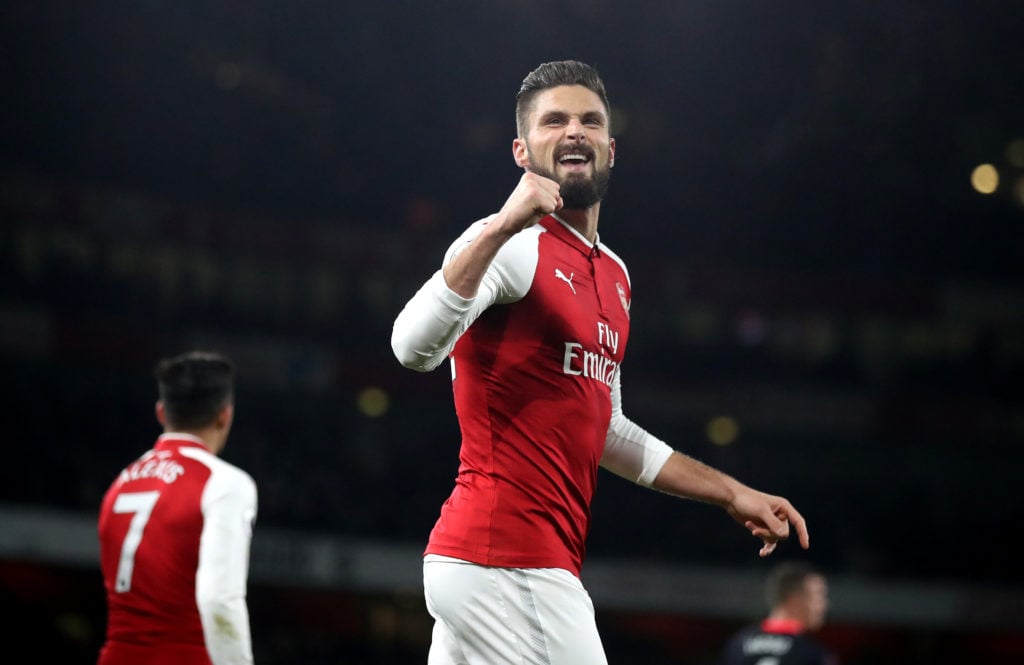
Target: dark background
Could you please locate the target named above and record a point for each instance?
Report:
(792, 193)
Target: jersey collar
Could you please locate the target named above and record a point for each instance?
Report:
(564, 232)
(782, 626)
(165, 440)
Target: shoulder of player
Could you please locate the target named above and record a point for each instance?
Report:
(523, 243)
(220, 468)
(527, 235)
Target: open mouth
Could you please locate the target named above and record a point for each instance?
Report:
(575, 160)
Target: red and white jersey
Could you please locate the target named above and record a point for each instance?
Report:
(174, 531)
(536, 359)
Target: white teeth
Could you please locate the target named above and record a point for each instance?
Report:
(573, 156)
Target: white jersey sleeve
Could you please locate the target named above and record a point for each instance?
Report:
(427, 328)
(229, 511)
(629, 450)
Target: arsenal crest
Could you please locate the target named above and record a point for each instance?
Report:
(622, 297)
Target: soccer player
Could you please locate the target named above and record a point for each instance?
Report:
(175, 528)
(532, 308)
(797, 596)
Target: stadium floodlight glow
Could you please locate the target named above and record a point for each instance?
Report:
(1015, 153)
(723, 430)
(985, 178)
(373, 402)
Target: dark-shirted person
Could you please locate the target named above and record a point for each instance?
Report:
(797, 598)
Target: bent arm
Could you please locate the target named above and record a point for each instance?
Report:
(427, 328)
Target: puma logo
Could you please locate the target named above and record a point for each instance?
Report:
(568, 280)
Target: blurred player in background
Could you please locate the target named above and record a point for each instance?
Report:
(533, 310)
(797, 596)
(175, 528)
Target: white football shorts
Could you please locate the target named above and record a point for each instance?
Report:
(521, 616)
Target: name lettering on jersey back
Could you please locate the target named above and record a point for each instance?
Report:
(154, 465)
(597, 365)
(775, 645)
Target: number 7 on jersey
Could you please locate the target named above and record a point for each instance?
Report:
(141, 505)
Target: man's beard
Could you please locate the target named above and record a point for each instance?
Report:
(578, 192)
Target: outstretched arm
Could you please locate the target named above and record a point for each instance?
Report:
(769, 518)
(635, 454)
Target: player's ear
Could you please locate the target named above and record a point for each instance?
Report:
(226, 416)
(520, 153)
(161, 415)
(611, 153)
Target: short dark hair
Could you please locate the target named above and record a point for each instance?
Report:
(786, 579)
(552, 75)
(194, 387)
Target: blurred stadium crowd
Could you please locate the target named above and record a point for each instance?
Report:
(825, 303)
(871, 404)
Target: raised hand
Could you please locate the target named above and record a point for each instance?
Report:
(534, 197)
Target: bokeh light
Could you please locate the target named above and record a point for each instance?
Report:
(723, 430)
(373, 402)
(985, 178)
(1018, 190)
(1015, 153)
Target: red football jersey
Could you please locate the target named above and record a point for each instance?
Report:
(532, 381)
(174, 531)
(536, 368)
